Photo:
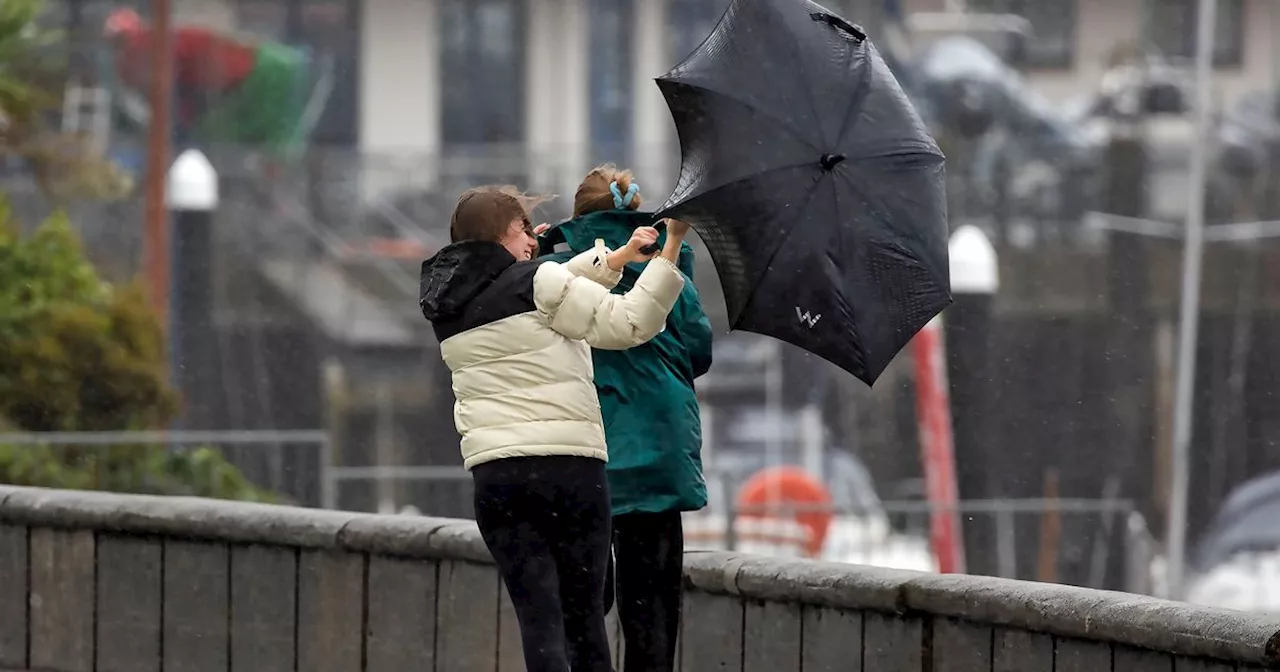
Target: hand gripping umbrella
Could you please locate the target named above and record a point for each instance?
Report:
(813, 183)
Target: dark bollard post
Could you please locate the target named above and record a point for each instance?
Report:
(192, 200)
(1128, 318)
(974, 282)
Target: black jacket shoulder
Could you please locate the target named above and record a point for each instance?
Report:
(511, 293)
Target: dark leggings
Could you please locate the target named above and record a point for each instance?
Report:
(546, 522)
(649, 551)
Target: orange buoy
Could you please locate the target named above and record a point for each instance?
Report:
(785, 491)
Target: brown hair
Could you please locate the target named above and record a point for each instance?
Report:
(485, 213)
(593, 194)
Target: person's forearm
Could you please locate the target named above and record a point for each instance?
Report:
(671, 250)
(617, 259)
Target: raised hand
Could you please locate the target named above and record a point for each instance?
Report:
(677, 228)
(641, 237)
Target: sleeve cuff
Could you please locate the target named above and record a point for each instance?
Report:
(663, 280)
(593, 265)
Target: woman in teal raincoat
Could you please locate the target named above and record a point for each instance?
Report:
(652, 426)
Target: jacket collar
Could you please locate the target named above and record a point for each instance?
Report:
(612, 226)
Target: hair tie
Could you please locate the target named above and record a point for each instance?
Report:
(620, 201)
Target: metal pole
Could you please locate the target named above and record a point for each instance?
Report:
(155, 240)
(937, 454)
(773, 400)
(1176, 535)
(384, 446)
(188, 438)
(328, 484)
(773, 403)
(813, 441)
(1006, 544)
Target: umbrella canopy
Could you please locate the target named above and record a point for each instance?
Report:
(813, 183)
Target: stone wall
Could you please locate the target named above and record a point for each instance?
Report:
(93, 581)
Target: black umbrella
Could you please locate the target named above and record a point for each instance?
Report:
(813, 183)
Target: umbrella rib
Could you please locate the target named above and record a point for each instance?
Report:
(782, 123)
(835, 199)
(882, 150)
(808, 89)
(853, 186)
(744, 178)
(808, 200)
(859, 97)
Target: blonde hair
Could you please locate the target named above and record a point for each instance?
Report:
(594, 195)
(485, 213)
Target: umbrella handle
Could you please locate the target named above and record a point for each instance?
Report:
(840, 24)
(650, 249)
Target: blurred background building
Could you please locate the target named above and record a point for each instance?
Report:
(568, 82)
(1078, 118)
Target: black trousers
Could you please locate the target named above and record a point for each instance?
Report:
(546, 521)
(649, 554)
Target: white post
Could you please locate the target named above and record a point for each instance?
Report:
(651, 122)
(192, 183)
(708, 435)
(385, 446)
(813, 434)
(773, 401)
(1176, 536)
(773, 409)
(401, 90)
(574, 109)
(975, 269)
(557, 94)
(544, 90)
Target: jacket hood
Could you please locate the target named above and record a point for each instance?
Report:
(457, 274)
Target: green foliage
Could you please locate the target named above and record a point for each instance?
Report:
(23, 45)
(66, 166)
(202, 472)
(81, 355)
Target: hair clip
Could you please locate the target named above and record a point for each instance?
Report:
(620, 201)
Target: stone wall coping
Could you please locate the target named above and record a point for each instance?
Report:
(1120, 618)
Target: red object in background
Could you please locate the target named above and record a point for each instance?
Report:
(397, 248)
(933, 413)
(202, 60)
(771, 491)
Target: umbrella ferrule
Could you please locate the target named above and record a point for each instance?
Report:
(830, 161)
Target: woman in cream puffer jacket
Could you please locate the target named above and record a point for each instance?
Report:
(517, 335)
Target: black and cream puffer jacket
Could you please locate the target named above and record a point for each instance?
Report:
(517, 336)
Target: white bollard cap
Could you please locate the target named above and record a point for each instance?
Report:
(974, 269)
(193, 183)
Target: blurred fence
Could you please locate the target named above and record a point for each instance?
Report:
(1031, 539)
(299, 465)
(292, 464)
(1056, 540)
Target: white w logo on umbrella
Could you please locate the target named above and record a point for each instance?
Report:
(807, 318)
